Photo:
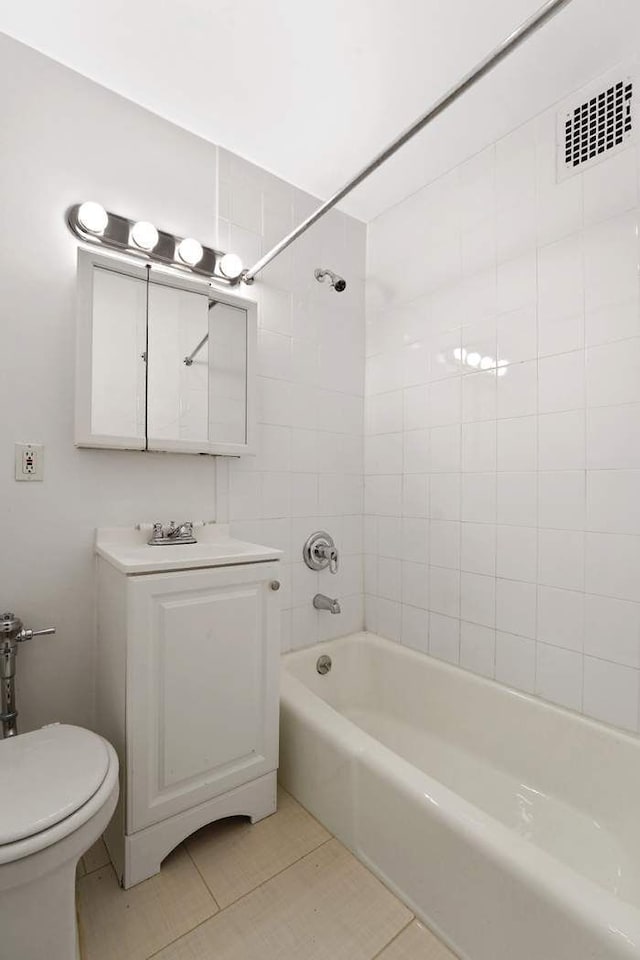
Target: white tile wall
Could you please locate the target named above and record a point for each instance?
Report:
(503, 408)
(308, 472)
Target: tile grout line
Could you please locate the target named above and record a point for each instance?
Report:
(200, 874)
(292, 864)
(221, 910)
(395, 937)
(89, 873)
(107, 866)
(181, 937)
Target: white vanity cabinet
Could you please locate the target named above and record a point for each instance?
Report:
(188, 663)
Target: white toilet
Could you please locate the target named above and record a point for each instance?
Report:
(58, 791)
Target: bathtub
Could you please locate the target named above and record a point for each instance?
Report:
(510, 826)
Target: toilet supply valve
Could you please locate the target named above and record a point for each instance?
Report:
(12, 632)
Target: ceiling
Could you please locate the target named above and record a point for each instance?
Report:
(312, 89)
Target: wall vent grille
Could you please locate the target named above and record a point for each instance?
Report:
(601, 123)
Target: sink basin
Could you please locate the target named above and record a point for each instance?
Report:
(126, 548)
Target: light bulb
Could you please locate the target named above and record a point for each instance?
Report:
(190, 251)
(473, 359)
(230, 266)
(92, 217)
(487, 363)
(144, 235)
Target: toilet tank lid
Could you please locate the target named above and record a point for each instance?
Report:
(46, 776)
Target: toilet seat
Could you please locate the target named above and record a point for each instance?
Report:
(50, 783)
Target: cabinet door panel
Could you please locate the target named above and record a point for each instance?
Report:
(202, 687)
(209, 668)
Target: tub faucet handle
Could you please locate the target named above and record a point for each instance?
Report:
(329, 553)
(320, 552)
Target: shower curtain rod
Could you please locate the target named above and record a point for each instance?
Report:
(519, 35)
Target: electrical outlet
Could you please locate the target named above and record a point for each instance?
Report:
(29, 461)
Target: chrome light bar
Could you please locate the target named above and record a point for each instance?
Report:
(110, 230)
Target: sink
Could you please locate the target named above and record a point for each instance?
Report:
(126, 549)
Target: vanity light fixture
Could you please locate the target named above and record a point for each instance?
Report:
(93, 217)
(91, 223)
(144, 235)
(473, 359)
(477, 362)
(231, 266)
(191, 252)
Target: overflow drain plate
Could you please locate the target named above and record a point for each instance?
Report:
(323, 664)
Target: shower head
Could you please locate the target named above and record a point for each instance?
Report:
(338, 283)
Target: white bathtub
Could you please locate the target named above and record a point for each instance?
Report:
(511, 827)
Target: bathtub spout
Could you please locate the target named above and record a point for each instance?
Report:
(321, 602)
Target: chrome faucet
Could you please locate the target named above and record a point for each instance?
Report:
(320, 552)
(321, 602)
(173, 533)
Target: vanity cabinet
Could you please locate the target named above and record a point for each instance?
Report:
(188, 665)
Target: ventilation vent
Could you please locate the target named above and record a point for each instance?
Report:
(592, 129)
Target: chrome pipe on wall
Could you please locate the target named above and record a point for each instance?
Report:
(519, 35)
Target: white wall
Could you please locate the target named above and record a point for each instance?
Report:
(503, 517)
(64, 139)
(308, 473)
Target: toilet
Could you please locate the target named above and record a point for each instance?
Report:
(58, 791)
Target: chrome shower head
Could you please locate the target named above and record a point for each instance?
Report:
(338, 283)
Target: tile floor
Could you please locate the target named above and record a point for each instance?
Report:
(282, 889)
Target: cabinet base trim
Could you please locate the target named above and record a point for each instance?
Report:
(145, 850)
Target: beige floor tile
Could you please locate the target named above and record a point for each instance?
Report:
(416, 943)
(324, 907)
(96, 857)
(118, 924)
(234, 856)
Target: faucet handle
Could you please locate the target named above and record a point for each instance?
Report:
(329, 552)
(28, 634)
(320, 552)
(12, 630)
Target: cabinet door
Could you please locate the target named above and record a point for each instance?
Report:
(202, 686)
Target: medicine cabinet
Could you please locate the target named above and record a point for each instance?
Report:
(163, 363)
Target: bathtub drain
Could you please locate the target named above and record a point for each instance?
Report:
(323, 664)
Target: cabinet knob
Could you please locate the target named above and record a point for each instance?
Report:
(275, 584)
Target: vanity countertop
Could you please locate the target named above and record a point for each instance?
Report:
(126, 549)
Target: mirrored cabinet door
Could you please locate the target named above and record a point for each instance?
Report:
(228, 349)
(117, 354)
(111, 365)
(178, 397)
(163, 363)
